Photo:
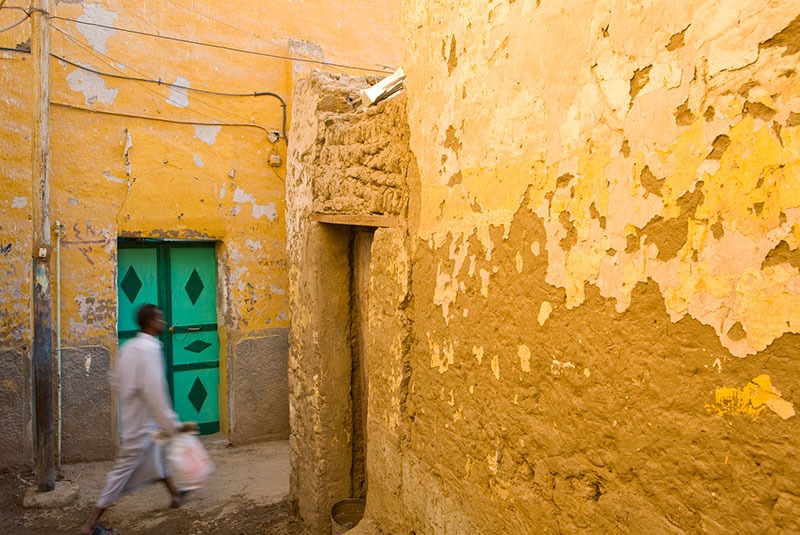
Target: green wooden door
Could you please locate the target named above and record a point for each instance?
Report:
(194, 343)
(181, 279)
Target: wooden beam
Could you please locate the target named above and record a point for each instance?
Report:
(42, 354)
(358, 220)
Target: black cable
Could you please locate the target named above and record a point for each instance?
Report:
(222, 47)
(20, 50)
(95, 54)
(244, 32)
(183, 87)
(160, 119)
(15, 24)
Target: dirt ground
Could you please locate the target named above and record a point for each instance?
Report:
(246, 494)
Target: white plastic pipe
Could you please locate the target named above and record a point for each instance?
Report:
(59, 232)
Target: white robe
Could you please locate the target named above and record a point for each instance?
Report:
(138, 378)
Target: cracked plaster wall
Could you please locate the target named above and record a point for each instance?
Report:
(633, 142)
(115, 176)
(603, 322)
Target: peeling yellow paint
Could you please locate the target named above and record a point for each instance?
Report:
(492, 461)
(478, 352)
(441, 357)
(496, 366)
(685, 181)
(751, 400)
(557, 367)
(524, 354)
(544, 312)
(484, 282)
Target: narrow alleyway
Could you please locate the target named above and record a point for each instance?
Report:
(245, 495)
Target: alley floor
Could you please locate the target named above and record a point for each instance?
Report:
(246, 494)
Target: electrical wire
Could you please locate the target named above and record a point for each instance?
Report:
(222, 47)
(15, 24)
(95, 54)
(20, 50)
(74, 40)
(245, 32)
(267, 130)
(162, 82)
(209, 17)
(183, 87)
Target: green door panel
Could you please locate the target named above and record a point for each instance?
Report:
(193, 293)
(137, 284)
(181, 279)
(196, 397)
(195, 347)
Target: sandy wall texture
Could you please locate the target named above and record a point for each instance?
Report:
(345, 160)
(605, 276)
(590, 322)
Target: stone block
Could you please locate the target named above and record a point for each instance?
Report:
(88, 432)
(260, 388)
(12, 409)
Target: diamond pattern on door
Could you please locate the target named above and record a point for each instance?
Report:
(197, 394)
(131, 284)
(198, 346)
(194, 286)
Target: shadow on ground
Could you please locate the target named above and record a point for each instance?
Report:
(246, 495)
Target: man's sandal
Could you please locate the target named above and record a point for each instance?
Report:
(100, 530)
(177, 502)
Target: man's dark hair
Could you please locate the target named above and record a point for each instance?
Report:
(146, 315)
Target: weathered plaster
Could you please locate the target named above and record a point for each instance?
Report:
(630, 132)
(604, 219)
(15, 258)
(97, 36)
(93, 86)
(343, 160)
(179, 94)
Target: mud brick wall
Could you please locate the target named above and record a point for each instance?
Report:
(344, 159)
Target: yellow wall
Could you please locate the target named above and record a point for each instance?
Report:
(604, 271)
(15, 248)
(577, 100)
(114, 175)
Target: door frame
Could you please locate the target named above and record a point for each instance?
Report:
(163, 266)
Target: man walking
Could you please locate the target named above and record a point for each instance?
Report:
(138, 378)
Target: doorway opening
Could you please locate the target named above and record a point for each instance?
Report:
(360, 258)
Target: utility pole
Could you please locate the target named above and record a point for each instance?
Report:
(42, 314)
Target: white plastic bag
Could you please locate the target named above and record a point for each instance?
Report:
(189, 461)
